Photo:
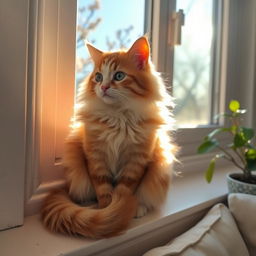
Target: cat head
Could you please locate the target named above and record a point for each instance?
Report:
(122, 76)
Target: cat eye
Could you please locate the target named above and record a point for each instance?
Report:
(118, 76)
(98, 77)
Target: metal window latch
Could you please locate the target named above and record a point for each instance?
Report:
(177, 20)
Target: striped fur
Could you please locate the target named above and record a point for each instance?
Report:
(119, 150)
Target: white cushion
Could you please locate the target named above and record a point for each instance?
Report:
(243, 208)
(215, 235)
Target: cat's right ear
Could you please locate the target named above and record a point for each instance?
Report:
(95, 53)
(139, 52)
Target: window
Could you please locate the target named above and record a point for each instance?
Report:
(191, 69)
(51, 80)
(193, 75)
(193, 64)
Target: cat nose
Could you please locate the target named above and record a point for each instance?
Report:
(105, 87)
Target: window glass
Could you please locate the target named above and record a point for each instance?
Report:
(192, 74)
(108, 25)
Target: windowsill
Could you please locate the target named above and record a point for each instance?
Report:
(188, 195)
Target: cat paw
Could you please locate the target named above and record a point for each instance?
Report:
(141, 211)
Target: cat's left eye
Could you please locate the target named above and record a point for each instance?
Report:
(118, 76)
(98, 77)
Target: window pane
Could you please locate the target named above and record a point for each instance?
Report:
(109, 25)
(192, 75)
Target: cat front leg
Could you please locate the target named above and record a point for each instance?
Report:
(154, 186)
(131, 177)
(75, 162)
(101, 178)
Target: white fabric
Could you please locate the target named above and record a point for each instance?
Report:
(215, 235)
(243, 208)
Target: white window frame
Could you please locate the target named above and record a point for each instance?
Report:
(31, 85)
(51, 101)
(55, 76)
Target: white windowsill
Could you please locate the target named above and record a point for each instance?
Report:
(188, 195)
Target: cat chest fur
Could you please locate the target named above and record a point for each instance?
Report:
(120, 135)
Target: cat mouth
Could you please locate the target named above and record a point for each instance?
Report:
(106, 95)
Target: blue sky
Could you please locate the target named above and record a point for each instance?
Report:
(116, 14)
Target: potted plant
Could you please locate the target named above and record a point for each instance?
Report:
(241, 152)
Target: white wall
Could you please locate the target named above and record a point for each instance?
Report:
(13, 56)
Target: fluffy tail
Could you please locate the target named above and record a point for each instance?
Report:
(60, 214)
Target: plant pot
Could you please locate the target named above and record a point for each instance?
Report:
(237, 186)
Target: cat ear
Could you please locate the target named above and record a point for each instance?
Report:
(96, 54)
(139, 52)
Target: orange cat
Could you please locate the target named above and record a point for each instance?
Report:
(119, 152)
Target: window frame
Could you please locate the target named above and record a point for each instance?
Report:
(163, 55)
(188, 138)
(55, 79)
(52, 76)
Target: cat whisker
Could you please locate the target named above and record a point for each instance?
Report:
(119, 94)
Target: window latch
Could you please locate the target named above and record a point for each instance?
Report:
(177, 20)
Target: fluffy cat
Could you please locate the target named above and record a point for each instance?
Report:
(119, 151)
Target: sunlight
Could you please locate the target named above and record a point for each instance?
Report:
(74, 124)
(166, 145)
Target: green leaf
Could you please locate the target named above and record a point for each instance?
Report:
(209, 172)
(250, 157)
(207, 146)
(216, 131)
(248, 133)
(234, 105)
(251, 154)
(239, 140)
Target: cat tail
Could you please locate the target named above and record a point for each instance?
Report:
(61, 215)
